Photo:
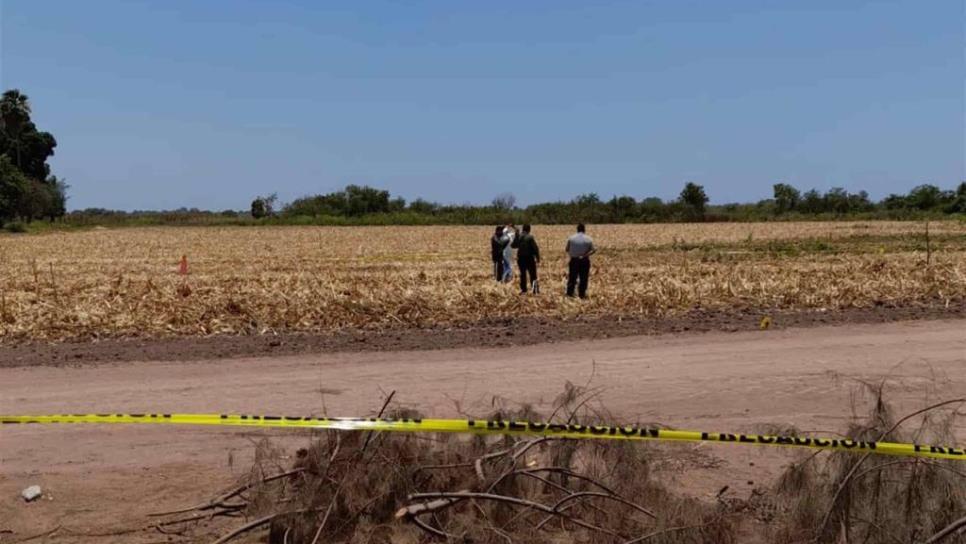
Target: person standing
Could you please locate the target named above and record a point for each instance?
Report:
(497, 244)
(528, 255)
(510, 232)
(579, 248)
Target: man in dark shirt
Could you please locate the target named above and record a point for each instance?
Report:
(497, 243)
(528, 255)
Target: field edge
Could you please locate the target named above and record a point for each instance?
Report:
(484, 334)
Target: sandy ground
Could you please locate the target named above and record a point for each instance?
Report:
(99, 479)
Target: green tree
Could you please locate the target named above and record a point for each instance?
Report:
(623, 208)
(27, 147)
(860, 202)
(362, 200)
(812, 202)
(258, 208)
(30, 192)
(694, 200)
(14, 186)
(957, 203)
(423, 207)
(787, 198)
(895, 202)
(926, 197)
(57, 206)
(264, 206)
(397, 204)
(653, 209)
(837, 201)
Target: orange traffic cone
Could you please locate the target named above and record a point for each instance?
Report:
(183, 268)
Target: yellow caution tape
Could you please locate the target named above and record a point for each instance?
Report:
(481, 426)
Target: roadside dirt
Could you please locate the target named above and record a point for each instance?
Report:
(487, 333)
(101, 482)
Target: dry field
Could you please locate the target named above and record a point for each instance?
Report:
(124, 283)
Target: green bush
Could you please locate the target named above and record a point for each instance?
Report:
(15, 227)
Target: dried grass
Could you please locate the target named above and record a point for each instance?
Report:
(883, 499)
(356, 487)
(351, 493)
(124, 283)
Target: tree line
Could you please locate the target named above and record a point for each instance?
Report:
(28, 191)
(362, 204)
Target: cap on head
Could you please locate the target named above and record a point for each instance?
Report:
(581, 227)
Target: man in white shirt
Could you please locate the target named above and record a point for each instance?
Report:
(579, 248)
(509, 232)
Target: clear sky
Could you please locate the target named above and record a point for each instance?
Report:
(208, 103)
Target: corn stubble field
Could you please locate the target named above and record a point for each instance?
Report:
(125, 282)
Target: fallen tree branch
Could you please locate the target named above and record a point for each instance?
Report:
(949, 531)
(609, 496)
(325, 519)
(248, 527)
(649, 536)
(40, 535)
(848, 477)
(426, 507)
(512, 500)
(432, 530)
(220, 501)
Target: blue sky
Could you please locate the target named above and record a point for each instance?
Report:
(208, 103)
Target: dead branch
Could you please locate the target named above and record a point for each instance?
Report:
(649, 536)
(882, 531)
(381, 412)
(572, 474)
(39, 535)
(432, 530)
(608, 496)
(545, 481)
(949, 531)
(512, 500)
(943, 467)
(848, 477)
(882, 466)
(325, 519)
(254, 524)
(426, 507)
(220, 501)
(511, 451)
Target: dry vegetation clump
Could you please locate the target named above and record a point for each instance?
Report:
(361, 487)
(841, 497)
(124, 283)
(354, 487)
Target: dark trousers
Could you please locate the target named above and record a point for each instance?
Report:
(579, 271)
(498, 269)
(528, 265)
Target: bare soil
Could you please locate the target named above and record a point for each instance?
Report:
(488, 333)
(102, 481)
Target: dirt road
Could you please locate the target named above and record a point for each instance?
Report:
(103, 478)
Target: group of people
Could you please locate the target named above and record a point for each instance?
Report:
(506, 238)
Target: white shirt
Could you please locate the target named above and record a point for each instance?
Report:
(508, 250)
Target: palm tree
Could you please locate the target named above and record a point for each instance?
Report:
(14, 115)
